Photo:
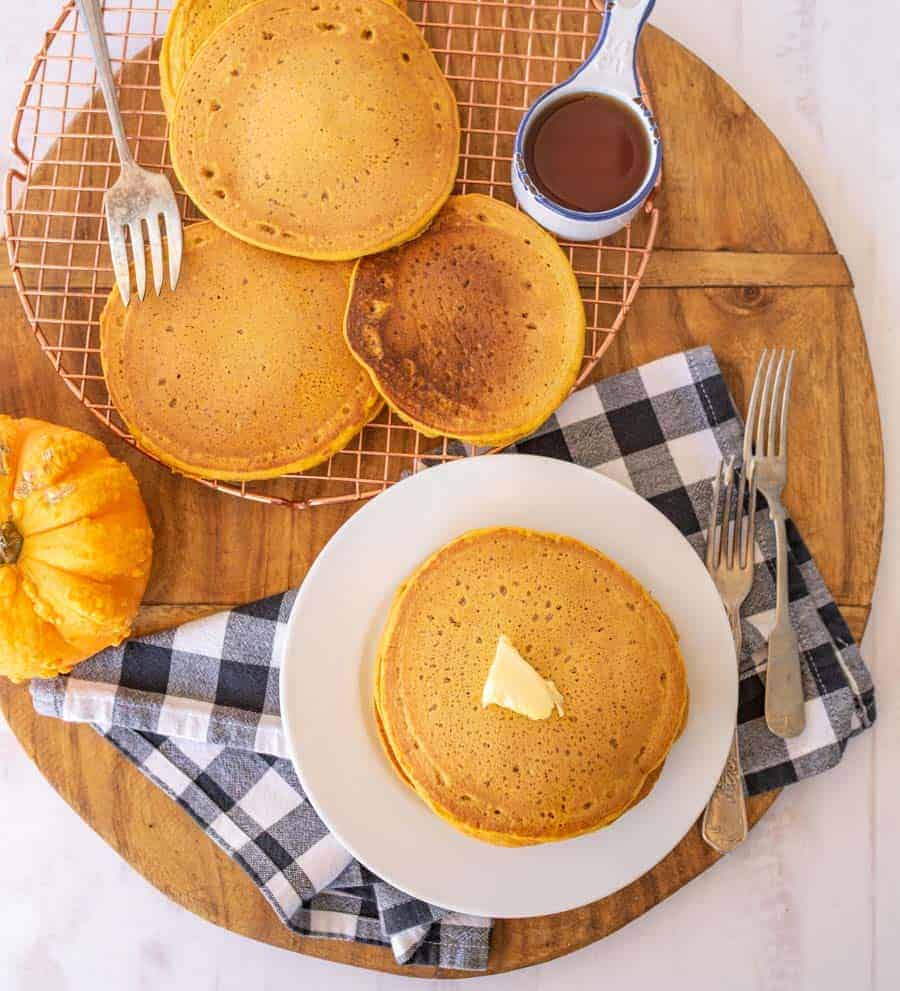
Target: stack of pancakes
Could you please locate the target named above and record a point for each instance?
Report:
(335, 271)
(581, 621)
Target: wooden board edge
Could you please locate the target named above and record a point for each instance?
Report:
(669, 270)
(758, 806)
(15, 699)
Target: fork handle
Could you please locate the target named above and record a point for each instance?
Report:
(92, 15)
(785, 715)
(725, 819)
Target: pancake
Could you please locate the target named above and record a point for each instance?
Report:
(190, 24)
(650, 781)
(321, 128)
(580, 620)
(474, 330)
(243, 372)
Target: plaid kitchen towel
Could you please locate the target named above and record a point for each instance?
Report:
(196, 708)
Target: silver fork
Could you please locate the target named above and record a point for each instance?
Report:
(766, 441)
(729, 559)
(139, 197)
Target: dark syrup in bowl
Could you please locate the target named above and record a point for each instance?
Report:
(589, 153)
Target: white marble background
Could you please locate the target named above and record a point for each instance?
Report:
(811, 901)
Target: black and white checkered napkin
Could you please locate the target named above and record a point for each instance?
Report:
(196, 708)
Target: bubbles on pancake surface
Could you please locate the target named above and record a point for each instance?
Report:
(618, 716)
(483, 373)
(356, 79)
(263, 381)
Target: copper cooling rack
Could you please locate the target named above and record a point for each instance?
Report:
(498, 55)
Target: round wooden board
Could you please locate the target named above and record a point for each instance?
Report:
(743, 260)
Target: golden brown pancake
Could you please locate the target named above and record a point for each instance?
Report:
(652, 778)
(475, 329)
(190, 24)
(581, 621)
(242, 372)
(322, 128)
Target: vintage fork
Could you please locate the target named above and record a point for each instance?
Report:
(729, 559)
(138, 197)
(766, 444)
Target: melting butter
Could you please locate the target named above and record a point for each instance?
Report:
(514, 684)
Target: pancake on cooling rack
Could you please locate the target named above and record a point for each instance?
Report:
(475, 329)
(190, 24)
(242, 373)
(574, 621)
(323, 129)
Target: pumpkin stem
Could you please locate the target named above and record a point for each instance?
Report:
(10, 543)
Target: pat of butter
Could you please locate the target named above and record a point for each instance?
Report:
(514, 684)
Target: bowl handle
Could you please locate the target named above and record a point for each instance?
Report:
(611, 66)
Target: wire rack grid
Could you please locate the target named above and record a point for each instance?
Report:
(499, 55)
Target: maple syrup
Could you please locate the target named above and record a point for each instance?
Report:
(589, 153)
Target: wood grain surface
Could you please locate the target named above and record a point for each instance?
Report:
(744, 260)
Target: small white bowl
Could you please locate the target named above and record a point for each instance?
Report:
(610, 70)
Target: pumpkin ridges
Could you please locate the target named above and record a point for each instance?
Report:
(9, 583)
(47, 454)
(30, 647)
(126, 546)
(103, 488)
(50, 452)
(86, 552)
(82, 610)
(9, 438)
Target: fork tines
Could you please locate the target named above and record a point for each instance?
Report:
(140, 203)
(767, 414)
(729, 542)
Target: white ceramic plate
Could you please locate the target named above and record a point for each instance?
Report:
(327, 679)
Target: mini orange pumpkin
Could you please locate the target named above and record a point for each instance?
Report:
(75, 548)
